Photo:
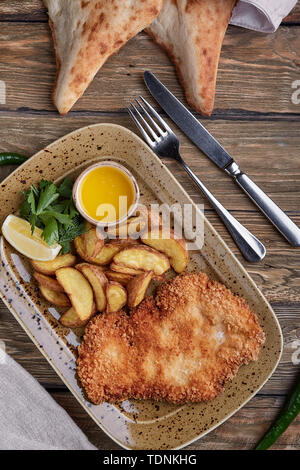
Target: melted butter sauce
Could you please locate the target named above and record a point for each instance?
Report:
(106, 194)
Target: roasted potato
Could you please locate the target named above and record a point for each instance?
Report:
(56, 298)
(136, 288)
(135, 226)
(98, 281)
(92, 242)
(144, 258)
(79, 291)
(107, 252)
(50, 267)
(131, 226)
(119, 268)
(125, 242)
(71, 319)
(116, 296)
(118, 277)
(48, 282)
(170, 245)
(79, 246)
(87, 245)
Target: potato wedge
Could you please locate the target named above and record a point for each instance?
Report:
(79, 290)
(144, 258)
(130, 227)
(133, 226)
(101, 268)
(174, 248)
(56, 298)
(98, 281)
(139, 223)
(125, 242)
(144, 219)
(48, 282)
(119, 268)
(136, 288)
(93, 244)
(79, 246)
(108, 251)
(118, 277)
(88, 245)
(49, 267)
(116, 297)
(70, 319)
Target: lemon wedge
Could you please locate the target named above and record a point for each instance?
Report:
(17, 232)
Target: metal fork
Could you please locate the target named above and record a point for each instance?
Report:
(165, 143)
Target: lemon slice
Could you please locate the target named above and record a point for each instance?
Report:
(17, 232)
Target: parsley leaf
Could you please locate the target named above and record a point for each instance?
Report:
(52, 209)
(66, 187)
(50, 232)
(47, 196)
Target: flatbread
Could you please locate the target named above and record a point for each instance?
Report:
(86, 34)
(192, 32)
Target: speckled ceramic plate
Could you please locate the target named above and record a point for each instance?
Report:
(133, 424)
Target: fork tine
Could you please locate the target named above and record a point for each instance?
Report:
(152, 110)
(155, 137)
(159, 130)
(140, 127)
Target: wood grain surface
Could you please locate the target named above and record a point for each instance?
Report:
(256, 121)
(261, 82)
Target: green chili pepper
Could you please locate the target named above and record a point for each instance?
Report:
(289, 413)
(9, 158)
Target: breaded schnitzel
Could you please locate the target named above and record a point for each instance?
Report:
(181, 346)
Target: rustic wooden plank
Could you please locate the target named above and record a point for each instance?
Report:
(34, 10)
(21, 348)
(240, 432)
(247, 426)
(24, 351)
(95, 435)
(27, 10)
(268, 151)
(278, 274)
(254, 418)
(294, 16)
(256, 71)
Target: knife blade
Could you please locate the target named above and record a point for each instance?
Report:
(215, 152)
(187, 122)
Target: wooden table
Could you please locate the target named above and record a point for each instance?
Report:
(256, 121)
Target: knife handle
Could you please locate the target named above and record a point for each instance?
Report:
(251, 248)
(275, 215)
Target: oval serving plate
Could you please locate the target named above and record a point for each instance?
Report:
(132, 424)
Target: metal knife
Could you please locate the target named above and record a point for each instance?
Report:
(211, 147)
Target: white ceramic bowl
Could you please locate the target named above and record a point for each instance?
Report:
(77, 186)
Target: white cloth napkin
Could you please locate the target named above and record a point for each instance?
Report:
(29, 417)
(261, 15)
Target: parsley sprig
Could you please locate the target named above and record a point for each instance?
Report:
(51, 208)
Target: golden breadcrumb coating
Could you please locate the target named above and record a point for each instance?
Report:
(181, 346)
